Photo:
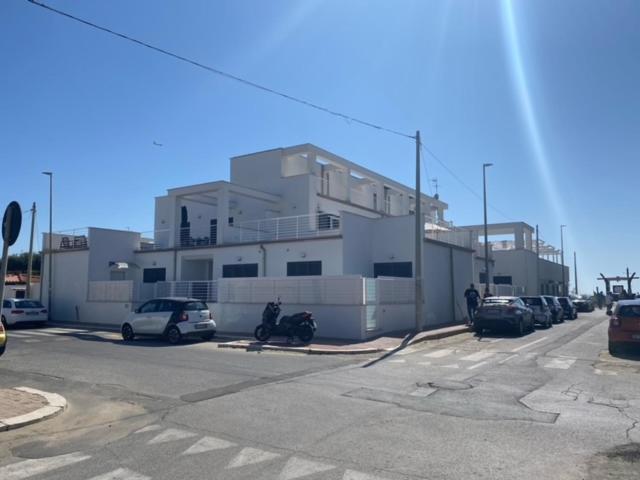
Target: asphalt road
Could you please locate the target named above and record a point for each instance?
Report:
(552, 404)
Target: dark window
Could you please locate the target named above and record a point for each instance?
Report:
(301, 269)
(393, 269)
(629, 311)
(6, 304)
(28, 304)
(231, 221)
(532, 300)
(166, 306)
(153, 275)
(150, 306)
(240, 270)
(213, 231)
(483, 277)
(502, 279)
(194, 306)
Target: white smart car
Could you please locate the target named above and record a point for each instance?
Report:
(172, 318)
(23, 310)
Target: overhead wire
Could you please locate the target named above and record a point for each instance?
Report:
(462, 182)
(224, 74)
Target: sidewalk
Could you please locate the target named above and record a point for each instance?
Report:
(329, 346)
(21, 406)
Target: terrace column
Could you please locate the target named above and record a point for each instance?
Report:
(528, 240)
(519, 237)
(222, 214)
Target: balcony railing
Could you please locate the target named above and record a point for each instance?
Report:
(285, 228)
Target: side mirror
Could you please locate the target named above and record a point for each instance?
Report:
(137, 310)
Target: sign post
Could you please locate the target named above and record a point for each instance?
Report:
(11, 223)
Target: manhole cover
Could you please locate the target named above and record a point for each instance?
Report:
(446, 385)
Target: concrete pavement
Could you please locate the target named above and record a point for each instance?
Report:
(552, 404)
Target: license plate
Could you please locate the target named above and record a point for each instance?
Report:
(201, 326)
(32, 313)
(493, 311)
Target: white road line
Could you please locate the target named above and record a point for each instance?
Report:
(63, 330)
(32, 340)
(477, 365)
(249, 456)
(439, 353)
(496, 340)
(474, 357)
(170, 435)
(561, 363)
(30, 468)
(298, 467)
(597, 371)
(10, 333)
(149, 428)
(424, 364)
(398, 360)
(522, 347)
(453, 365)
(121, 474)
(505, 360)
(206, 444)
(33, 332)
(353, 475)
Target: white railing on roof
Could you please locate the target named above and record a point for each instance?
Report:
(285, 228)
(75, 239)
(446, 232)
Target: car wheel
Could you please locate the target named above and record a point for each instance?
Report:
(550, 323)
(173, 335)
(127, 333)
(520, 328)
(208, 337)
(4, 321)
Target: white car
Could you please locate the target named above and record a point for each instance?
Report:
(19, 310)
(172, 318)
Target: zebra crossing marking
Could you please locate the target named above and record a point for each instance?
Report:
(170, 435)
(439, 353)
(355, 475)
(30, 468)
(121, 474)
(561, 363)
(149, 428)
(477, 365)
(477, 356)
(298, 467)
(206, 444)
(250, 456)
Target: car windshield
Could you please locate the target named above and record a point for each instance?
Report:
(28, 304)
(563, 301)
(194, 306)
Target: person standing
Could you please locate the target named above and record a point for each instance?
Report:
(473, 299)
(609, 302)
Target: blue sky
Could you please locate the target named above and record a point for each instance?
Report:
(545, 90)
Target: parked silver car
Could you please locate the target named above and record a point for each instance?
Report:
(541, 312)
(498, 313)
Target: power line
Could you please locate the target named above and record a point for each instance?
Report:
(463, 183)
(229, 76)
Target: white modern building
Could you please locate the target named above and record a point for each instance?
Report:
(516, 260)
(301, 223)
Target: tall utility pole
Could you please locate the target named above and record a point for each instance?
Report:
(50, 243)
(538, 261)
(486, 228)
(575, 272)
(419, 237)
(30, 261)
(562, 258)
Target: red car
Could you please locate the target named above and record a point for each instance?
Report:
(624, 325)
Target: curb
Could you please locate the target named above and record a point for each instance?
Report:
(435, 335)
(56, 404)
(303, 350)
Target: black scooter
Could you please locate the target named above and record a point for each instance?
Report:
(301, 325)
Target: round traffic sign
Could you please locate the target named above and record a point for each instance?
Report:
(11, 223)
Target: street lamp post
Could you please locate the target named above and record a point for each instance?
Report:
(50, 242)
(562, 227)
(486, 233)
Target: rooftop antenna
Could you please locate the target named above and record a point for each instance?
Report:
(435, 186)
